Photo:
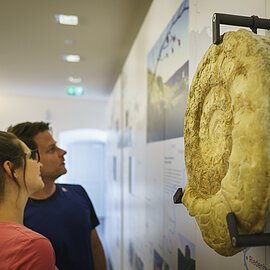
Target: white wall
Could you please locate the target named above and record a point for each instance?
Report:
(63, 114)
(114, 184)
(141, 196)
(85, 162)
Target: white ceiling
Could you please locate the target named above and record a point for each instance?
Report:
(32, 45)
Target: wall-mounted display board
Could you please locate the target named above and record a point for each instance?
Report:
(153, 86)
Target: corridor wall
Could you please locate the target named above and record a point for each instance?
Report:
(63, 114)
(144, 228)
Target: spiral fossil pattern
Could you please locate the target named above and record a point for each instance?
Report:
(226, 134)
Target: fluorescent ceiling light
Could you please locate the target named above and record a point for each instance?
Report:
(72, 58)
(74, 79)
(75, 91)
(67, 19)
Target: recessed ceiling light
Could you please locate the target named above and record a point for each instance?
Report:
(75, 79)
(72, 58)
(75, 91)
(67, 19)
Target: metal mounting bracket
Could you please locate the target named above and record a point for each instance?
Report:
(177, 197)
(253, 22)
(247, 240)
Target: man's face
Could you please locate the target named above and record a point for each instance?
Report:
(51, 157)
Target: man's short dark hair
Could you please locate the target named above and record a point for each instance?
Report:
(26, 131)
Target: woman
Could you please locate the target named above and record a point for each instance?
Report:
(20, 247)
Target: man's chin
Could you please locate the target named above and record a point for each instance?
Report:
(62, 173)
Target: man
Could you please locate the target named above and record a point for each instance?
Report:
(61, 212)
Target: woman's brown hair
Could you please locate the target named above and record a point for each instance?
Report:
(11, 150)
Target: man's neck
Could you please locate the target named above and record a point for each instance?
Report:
(46, 192)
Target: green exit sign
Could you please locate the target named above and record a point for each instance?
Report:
(75, 91)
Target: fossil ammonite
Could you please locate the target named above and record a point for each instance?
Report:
(226, 135)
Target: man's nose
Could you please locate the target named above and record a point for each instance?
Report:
(61, 151)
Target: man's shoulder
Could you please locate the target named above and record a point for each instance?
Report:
(71, 187)
(74, 191)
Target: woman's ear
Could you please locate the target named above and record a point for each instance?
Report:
(8, 166)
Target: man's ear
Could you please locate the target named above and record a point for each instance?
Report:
(8, 166)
